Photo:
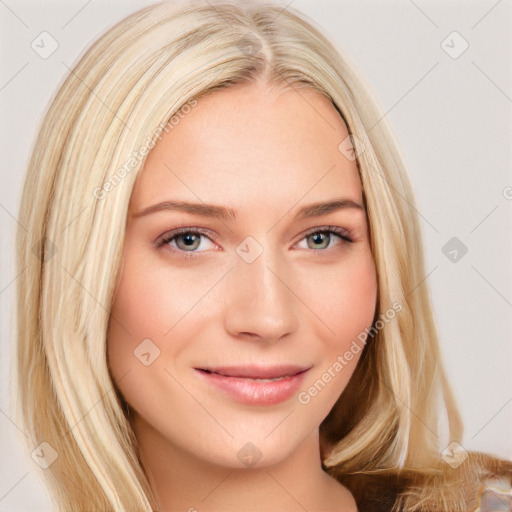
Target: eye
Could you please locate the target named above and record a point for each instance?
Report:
(321, 238)
(188, 240)
(185, 240)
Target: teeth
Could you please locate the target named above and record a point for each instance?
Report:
(250, 378)
(257, 379)
(269, 380)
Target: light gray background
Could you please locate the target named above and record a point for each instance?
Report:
(452, 118)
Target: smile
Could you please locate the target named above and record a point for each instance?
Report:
(255, 385)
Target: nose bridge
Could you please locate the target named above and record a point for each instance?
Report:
(259, 300)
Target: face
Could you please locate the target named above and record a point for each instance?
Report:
(234, 324)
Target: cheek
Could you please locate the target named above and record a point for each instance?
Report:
(150, 299)
(146, 306)
(153, 305)
(346, 301)
(346, 307)
(358, 294)
(141, 311)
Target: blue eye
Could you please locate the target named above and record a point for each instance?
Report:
(321, 235)
(187, 241)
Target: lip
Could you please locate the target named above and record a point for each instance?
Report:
(256, 385)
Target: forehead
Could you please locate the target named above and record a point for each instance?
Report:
(251, 145)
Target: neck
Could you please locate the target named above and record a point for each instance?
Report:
(182, 481)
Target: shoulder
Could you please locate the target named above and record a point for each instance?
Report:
(374, 493)
(481, 483)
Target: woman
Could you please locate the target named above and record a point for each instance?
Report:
(225, 312)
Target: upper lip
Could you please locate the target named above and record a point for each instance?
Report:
(256, 371)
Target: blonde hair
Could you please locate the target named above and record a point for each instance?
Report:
(124, 89)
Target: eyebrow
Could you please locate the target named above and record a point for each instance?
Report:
(228, 214)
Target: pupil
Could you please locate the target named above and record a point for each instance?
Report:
(317, 238)
(189, 239)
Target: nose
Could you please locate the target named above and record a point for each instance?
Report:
(261, 303)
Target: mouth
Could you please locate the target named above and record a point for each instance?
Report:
(262, 373)
(255, 385)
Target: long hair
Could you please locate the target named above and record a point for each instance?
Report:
(117, 100)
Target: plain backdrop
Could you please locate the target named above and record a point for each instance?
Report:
(450, 107)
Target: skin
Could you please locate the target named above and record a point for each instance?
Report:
(265, 152)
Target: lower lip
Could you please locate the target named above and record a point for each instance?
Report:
(254, 392)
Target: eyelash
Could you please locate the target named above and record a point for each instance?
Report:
(171, 235)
